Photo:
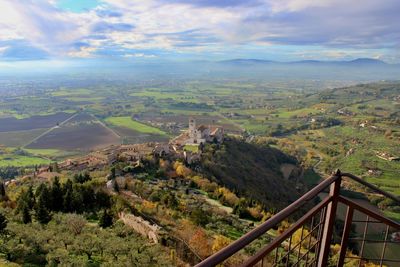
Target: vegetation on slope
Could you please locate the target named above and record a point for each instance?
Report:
(253, 171)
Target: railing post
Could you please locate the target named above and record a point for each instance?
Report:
(329, 222)
(345, 236)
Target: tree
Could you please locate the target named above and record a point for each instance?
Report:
(115, 186)
(67, 197)
(199, 217)
(199, 242)
(82, 178)
(112, 173)
(3, 223)
(56, 195)
(75, 223)
(26, 215)
(106, 220)
(42, 213)
(2, 191)
(220, 242)
(43, 195)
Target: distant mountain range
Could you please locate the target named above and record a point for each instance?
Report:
(355, 62)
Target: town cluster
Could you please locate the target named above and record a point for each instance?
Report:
(194, 137)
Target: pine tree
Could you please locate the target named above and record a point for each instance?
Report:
(30, 198)
(57, 195)
(26, 215)
(3, 223)
(77, 203)
(67, 198)
(116, 186)
(42, 213)
(112, 174)
(2, 191)
(43, 194)
(105, 220)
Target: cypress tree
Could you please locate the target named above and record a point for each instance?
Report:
(68, 195)
(43, 194)
(2, 191)
(42, 213)
(57, 195)
(106, 219)
(77, 199)
(3, 223)
(116, 187)
(112, 174)
(26, 215)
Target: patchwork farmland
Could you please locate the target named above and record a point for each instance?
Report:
(83, 133)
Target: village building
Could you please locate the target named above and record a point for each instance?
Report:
(203, 134)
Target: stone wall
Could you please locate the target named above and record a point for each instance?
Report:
(141, 226)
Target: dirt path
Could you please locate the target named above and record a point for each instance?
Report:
(231, 122)
(105, 126)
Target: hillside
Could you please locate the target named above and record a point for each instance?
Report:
(252, 171)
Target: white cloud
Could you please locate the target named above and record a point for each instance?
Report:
(2, 49)
(140, 55)
(83, 52)
(179, 26)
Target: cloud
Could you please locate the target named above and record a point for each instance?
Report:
(140, 55)
(83, 52)
(123, 27)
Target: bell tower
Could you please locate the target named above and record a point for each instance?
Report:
(192, 128)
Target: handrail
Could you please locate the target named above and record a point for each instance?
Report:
(246, 239)
(260, 254)
(371, 186)
(369, 212)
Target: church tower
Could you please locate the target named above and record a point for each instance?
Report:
(192, 128)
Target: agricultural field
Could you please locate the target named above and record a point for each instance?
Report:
(127, 122)
(83, 133)
(35, 122)
(21, 160)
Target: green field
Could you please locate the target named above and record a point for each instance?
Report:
(127, 122)
(21, 161)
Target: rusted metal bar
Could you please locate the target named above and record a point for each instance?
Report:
(306, 254)
(234, 247)
(363, 241)
(375, 259)
(289, 250)
(278, 240)
(320, 229)
(309, 240)
(329, 222)
(384, 246)
(301, 239)
(345, 237)
(371, 186)
(370, 212)
(374, 241)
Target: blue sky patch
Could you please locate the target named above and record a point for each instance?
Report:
(77, 5)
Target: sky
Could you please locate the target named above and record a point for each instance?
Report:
(211, 30)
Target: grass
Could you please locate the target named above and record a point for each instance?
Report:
(4, 263)
(127, 122)
(21, 161)
(65, 92)
(44, 152)
(191, 148)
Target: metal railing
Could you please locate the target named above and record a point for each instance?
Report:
(310, 240)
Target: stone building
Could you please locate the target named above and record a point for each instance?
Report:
(202, 134)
